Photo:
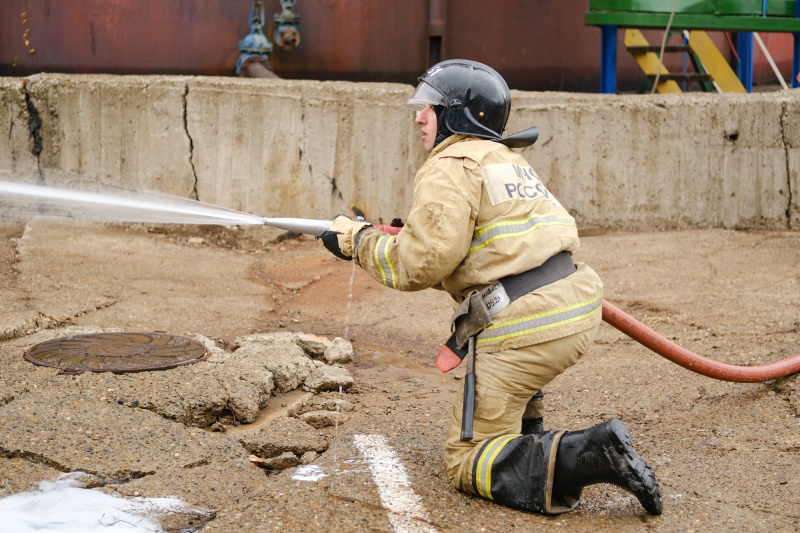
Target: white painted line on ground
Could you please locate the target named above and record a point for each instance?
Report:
(407, 512)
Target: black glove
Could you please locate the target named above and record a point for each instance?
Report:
(330, 240)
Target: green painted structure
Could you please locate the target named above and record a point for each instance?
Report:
(740, 16)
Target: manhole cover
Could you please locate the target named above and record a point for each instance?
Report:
(116, 352)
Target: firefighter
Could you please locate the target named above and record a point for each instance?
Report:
(485, 229)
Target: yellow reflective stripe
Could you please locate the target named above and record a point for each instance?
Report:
(378, 261)
(510, 223)
(483, 473)
(388, 277)
(389, 262)
(518, 227)
(541, 321)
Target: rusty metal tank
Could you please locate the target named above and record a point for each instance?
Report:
(534, 44)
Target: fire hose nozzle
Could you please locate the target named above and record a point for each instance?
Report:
(299, 225)
(314, 227)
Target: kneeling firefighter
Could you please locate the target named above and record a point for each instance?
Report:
(484, 228)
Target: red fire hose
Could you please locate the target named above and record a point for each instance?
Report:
(691, 361)
(683, 357)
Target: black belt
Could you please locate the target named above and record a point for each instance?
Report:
(557, 267)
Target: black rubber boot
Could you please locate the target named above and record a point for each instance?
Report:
(604, 454)
(532, 418)
(532, 426)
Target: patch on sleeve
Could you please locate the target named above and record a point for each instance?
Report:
(507, 181)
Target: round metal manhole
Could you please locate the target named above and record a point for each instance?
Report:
(116, 352)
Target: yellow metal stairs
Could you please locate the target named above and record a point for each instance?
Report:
(710, 65)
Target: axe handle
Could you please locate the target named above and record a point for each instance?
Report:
(468, 412)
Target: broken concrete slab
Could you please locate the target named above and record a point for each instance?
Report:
(328, 401)
(339, 352)
(329, 378)
(287, 362)
(192, 394)
(248, 385)
(267, 338)
(230, 387)
(284, 434)
(308, 457)
(321, 419)
(282, 462)
(313, 345)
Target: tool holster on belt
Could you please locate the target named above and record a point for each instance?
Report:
(470, 318)
(476, 311)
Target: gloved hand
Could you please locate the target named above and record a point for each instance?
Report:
(339, 239)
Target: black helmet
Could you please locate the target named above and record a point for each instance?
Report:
(469, 98)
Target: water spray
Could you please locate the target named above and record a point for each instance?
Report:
(26, 201)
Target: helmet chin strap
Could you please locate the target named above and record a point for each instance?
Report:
(442, 132)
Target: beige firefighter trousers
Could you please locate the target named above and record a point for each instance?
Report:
(505, 382)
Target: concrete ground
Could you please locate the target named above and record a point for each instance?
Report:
(726, 454)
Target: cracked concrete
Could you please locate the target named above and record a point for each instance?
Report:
(194, 194)
(311, 149)
(132, 449)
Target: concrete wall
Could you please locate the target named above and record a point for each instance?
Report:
(314, 149)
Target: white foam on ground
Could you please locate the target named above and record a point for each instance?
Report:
(64, 507)
(309, 473)
(407, 514)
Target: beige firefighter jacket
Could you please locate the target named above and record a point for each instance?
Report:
(480, 213)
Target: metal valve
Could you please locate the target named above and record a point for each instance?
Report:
(286, 34)
(255, 47)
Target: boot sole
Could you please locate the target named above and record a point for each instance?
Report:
(645, 487)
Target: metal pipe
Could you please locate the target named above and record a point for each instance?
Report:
(608, 59)
(796, 50)
(437, 23)
(255, 67)
(744, 49)
(691, 361)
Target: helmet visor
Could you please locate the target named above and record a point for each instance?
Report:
(424, 95)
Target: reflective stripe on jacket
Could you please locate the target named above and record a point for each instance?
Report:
(480, 213)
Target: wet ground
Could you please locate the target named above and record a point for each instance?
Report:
(726, 454)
